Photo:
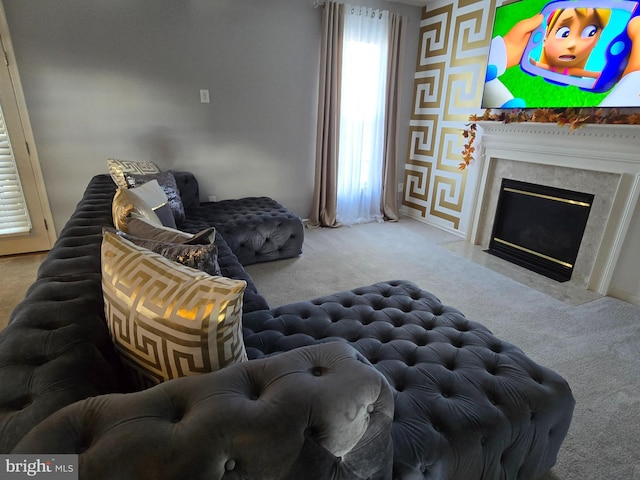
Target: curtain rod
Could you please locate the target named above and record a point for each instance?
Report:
(321, 3)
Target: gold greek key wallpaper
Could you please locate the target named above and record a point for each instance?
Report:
(449, 78)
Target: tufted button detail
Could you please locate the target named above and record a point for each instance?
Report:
(230, 465)
(317, 371)
(254, 396)
(39, 360)
(536, 377)
(21, 403)
(83, 447)
(370, 408)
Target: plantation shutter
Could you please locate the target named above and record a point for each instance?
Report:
(14, 217)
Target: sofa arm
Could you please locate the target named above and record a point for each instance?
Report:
(317, 412)
(189, 189)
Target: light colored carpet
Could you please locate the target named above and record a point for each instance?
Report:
(592, 341)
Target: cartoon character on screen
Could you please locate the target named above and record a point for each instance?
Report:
(507, 51)
(570, 37)
(627, 90)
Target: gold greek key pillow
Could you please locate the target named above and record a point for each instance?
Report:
(117, 169)
(168, 320)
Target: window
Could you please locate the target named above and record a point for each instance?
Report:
(362, 116)
(14, 217)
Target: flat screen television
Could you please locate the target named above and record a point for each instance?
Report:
(561, 54)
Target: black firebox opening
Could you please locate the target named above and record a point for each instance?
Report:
(540, 227)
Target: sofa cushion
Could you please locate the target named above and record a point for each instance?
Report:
(142, 228)
(168, 320)
(117, 169)
(147, 201)
(152, 194)
(167, 182)
(202, 257)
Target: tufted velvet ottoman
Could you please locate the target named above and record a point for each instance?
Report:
(467, 405)
(257, 229)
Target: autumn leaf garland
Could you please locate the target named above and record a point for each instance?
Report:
(574, 118)
(467, 153)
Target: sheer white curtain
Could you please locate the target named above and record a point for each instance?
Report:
(362, 115)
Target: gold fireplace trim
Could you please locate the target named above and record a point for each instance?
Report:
(533, 252)
(548, 197)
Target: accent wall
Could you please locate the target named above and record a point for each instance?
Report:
(449, 78)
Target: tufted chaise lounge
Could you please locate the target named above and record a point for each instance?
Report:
(379, 382)
(467, 405)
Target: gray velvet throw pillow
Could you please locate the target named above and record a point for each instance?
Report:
(141, 228)
(167, 181)
(199, 257)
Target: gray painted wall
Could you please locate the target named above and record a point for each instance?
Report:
(121, 79)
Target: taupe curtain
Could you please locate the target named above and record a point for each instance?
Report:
(389, 200)
(328, 131)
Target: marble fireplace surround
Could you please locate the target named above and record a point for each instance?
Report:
(599, 159)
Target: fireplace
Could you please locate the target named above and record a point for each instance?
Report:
(602, 159)
(540, 227)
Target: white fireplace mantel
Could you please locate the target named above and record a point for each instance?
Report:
(591, 145)
(611, 149)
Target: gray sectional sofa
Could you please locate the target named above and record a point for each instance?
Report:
(382, 382)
